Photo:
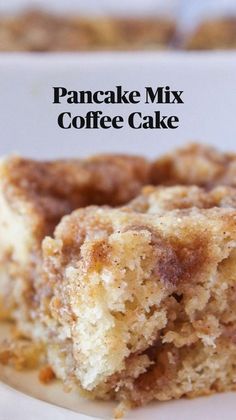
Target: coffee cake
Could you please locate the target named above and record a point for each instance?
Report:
(213, 34)
(39, 31)
(139, 302)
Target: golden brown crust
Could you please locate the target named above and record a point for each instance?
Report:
(195, 164)
(55, 188)
(39, 31)
(214, 34)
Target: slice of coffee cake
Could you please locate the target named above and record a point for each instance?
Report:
(139, 304)
(33, 198)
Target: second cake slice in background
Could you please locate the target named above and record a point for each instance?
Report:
(33, 197)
